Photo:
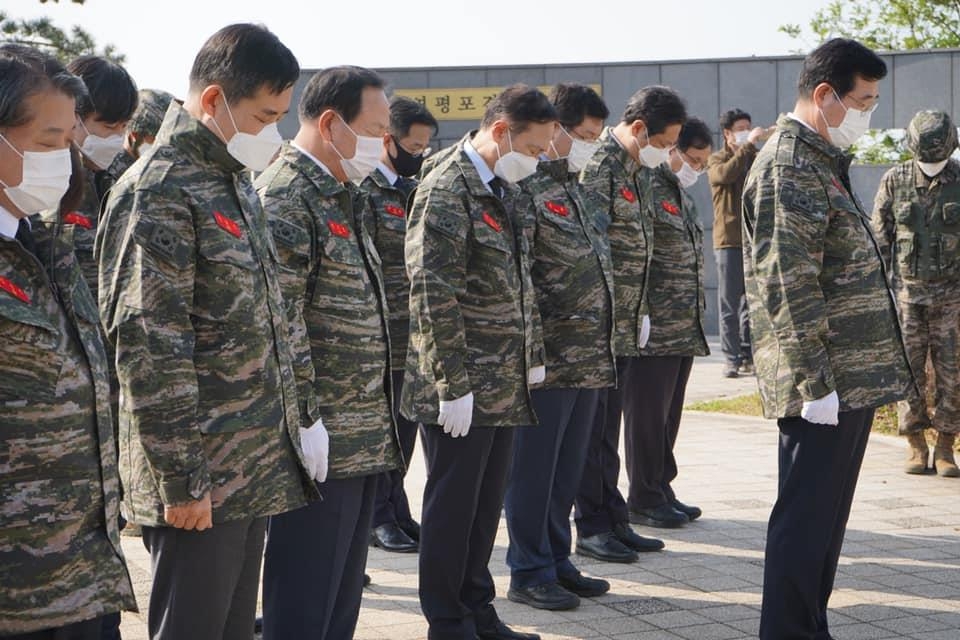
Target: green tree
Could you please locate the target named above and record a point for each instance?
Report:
(888, 25)
(46, 36)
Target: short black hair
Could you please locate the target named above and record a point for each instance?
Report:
(25, 72)
(658, 107)
(242, 59)
(694, 133)
(731, 117)
(406, 112)
(521, 105)
(838, 62)
(337, 88)
(112, 94)
(574, 102)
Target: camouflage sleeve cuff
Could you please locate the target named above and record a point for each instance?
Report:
(811, 390)
(180, 490)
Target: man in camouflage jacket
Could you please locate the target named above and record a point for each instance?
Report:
(210, 423)
(331, 274)
(916, 218)
(677, 305)
(60, 558)
(827, 344)
(470, 357)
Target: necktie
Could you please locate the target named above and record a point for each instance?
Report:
(496, 185)
(25, 236)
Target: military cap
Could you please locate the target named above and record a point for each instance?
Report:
(149, 114)
(931, 136)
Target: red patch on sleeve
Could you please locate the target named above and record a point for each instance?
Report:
(227, 224)
(77, 218)
(670, 208)
(557, 208)
(339, 230)
(493, 224)
(395, 211)
(628, 195)
(14, 290)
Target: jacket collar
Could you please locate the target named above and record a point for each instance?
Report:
(187, 134)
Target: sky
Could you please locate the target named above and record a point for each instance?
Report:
(161, 37)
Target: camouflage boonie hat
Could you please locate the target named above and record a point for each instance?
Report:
(149, 114)
(931, 136)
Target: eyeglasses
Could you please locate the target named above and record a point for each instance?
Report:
(421, 154)
(695, 164)
(861, 105)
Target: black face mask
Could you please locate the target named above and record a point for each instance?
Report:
(406, 164)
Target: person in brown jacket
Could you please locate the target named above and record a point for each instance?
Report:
(727, 170)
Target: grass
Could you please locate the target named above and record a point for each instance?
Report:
(885, 420)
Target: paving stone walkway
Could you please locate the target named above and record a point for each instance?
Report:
(899, 576)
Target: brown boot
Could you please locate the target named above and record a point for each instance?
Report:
(917, 454)
(943, 456)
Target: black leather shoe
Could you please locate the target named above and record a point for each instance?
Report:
(550, 596)
(583, 586)
(607, 547)
(390, 537)
(258, 625)
(411, 528)
(634, 540)
(367, 580)
(503, 632)
(663, 517)
(692, 512)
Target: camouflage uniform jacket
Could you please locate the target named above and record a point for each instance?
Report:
(677, 301)
(821, 314)
(572, 277)
(917, 223)
(332, 277)
(614, 183)
(60, 554)
(387, 220)
(191, 301)
(105, 179)
(472, 306)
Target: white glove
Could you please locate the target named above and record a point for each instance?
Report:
(315, 444)
(644, 331)
(456, 415)
(536, 375)
(823, 410)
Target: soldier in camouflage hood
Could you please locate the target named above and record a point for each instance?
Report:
(473, 352)
(213, 437)
(677, 305)
(916, 219)
(313, 569)
(827, 343)
(388, 190)
(60, 559)
(573, 281)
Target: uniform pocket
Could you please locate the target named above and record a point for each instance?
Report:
(41, 503)
(31, 363)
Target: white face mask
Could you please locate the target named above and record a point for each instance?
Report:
(650, 155)
(931, 169)
(687, 175)
(855, 123)
(580, 152)
(364, 159)
(255, 152)
(46, 177)
(514, 166)
(740, 137)
(101, 151)
(143, 149)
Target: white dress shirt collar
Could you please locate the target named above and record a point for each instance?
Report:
(486, 175)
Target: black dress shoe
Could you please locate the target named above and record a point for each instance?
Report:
(607, 547)
(390, 537)
(258, 625)
(550, 596)
(503, 632)
(411, 528)
(366, 581)
(634, 540)
(583, 586)
(663, 517)
(692, 512)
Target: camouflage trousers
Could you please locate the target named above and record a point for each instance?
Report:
(931, 331)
